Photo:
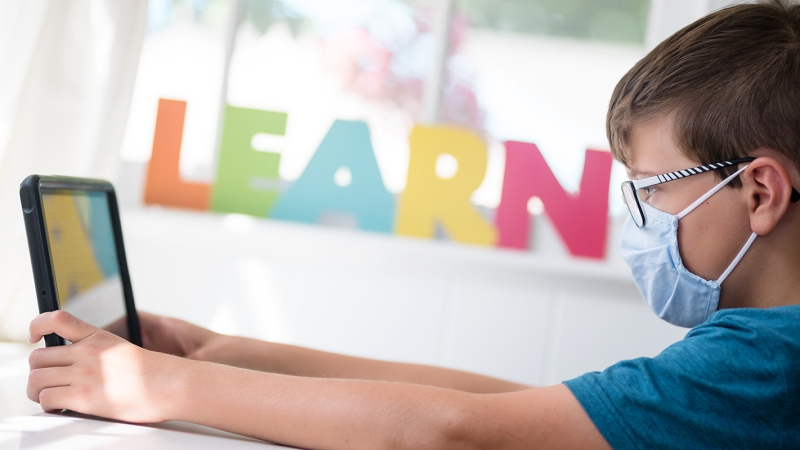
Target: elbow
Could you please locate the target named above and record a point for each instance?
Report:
(448, 425)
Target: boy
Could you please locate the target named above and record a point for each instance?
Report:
(708, 126)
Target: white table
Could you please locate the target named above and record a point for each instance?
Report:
(14, 379)
(66, 431)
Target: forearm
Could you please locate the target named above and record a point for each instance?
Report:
(293, 360)
(102, 374)
(316, 412)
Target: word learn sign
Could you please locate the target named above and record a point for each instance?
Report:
(247, 182)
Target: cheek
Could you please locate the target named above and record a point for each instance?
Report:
(710, 236)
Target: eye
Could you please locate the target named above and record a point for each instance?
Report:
(647, 192)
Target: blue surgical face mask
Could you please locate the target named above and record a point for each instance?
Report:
(673, 293)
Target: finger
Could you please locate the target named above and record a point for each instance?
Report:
(148, 323)
(119, 327)
(60, 356)
(41, 379)
(61, 397)
(63, 324)
(152, 323)
(146, 316)
(163, 334)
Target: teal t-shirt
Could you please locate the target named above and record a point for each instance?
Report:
(732, 382)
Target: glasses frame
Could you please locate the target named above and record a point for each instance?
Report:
(631, 188)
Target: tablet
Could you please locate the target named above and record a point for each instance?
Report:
(77, 254)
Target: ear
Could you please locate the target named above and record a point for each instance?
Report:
(768, 188)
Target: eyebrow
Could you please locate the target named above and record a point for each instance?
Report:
(641, 173)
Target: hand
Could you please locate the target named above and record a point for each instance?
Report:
(100, 373)
(180, 338)
(172, 336)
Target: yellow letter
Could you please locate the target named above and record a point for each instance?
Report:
(444, 197)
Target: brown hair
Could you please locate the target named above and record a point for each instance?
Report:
(731, 80)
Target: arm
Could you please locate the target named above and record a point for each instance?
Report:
(181, 338)
(299, 361)
(102, 374)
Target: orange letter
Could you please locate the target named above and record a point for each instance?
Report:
(164, 185)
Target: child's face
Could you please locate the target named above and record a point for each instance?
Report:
(710, 236)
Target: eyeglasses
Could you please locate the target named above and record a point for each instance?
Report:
(630, 189)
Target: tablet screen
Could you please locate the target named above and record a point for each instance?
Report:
(84, 254)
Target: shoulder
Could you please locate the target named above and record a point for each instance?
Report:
(730, 382)
(781, 319)
(772, 330)
(749, 342)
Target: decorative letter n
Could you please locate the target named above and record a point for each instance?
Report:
(581, 219)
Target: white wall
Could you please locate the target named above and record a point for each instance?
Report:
(515, 315)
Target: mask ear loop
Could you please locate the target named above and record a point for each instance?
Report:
(708, 194)
(737, 259)
(705, 197)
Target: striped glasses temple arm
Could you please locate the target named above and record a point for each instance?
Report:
(665, 177)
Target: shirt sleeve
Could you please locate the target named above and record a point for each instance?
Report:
(723, 386)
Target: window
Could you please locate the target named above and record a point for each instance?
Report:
(539, 71)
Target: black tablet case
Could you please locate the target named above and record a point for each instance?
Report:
(43, 276)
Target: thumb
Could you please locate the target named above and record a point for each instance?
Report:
(61, 323)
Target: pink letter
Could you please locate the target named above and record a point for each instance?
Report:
(581, 219)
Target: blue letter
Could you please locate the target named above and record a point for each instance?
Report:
(342, 177)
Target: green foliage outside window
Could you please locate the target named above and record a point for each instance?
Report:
(606, 20)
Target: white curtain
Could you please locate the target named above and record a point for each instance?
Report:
(67, 69)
